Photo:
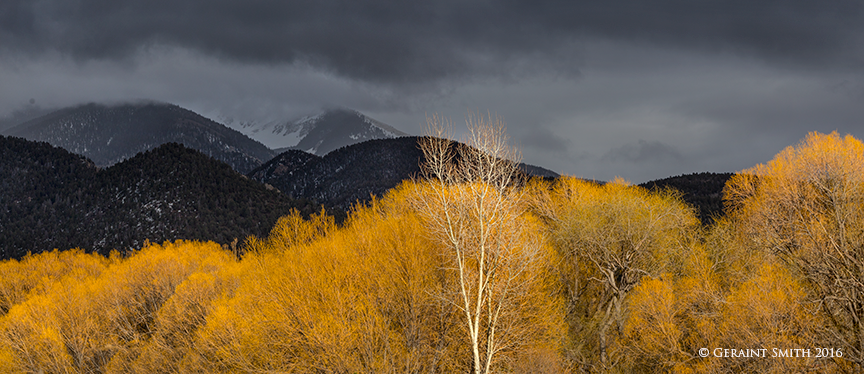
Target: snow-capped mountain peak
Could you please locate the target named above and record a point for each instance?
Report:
(318, 134)
(330, 130)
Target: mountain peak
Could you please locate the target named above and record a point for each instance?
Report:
(110, 133)
(332, 129)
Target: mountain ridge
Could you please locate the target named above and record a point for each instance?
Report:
(352, 173)
(110, 133)
(52, 198)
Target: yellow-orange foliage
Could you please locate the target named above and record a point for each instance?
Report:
(672, 317)
(18, 279)
(609, 237)
(806, 206)
(769, 311)
(100, 321)
(293, 230)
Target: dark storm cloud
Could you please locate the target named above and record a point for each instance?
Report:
(544, 140)
(643, 152)
(423, 41)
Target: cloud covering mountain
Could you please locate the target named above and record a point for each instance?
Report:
(723, 84)
(318, 134)
(108, 134)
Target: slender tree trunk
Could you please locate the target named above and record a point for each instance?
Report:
(607, 321)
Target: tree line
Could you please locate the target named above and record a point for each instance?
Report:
(474, 269)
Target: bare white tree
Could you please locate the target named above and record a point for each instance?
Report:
(473, 205)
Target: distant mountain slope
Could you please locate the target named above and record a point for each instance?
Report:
(50, 198)
(352, 173)
(702, 190)
(22, 115)
(328, 131)
(108, 134)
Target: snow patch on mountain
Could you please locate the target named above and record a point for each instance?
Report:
(317, 134)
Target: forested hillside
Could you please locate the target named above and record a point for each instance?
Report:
(346, 175)
(51, 198)
(702, 190)
(42, 191)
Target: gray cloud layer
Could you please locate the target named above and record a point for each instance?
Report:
(644, 152)
(421, 41)
(638, 89)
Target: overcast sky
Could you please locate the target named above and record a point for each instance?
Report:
(630, 88)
